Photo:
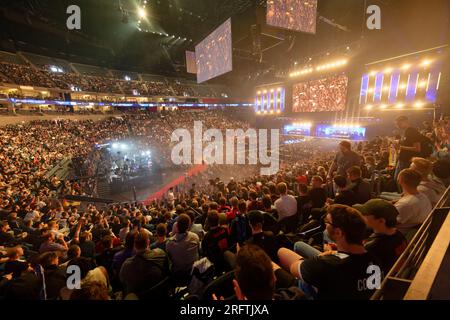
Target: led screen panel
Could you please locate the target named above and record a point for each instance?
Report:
(322, 95)
(214, 55)
(297, 15)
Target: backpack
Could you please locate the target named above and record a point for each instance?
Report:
(202, 274)
(426, 147)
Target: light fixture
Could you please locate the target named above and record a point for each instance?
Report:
(142, 13)
(406, 66)
(425, 63)
(399, 105)
(418, 104)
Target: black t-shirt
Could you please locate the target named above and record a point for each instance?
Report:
(410, 137)
(318, 197)
(266, 240)
(339, 276)
(345, 161)
(346, 197)
(387, 248)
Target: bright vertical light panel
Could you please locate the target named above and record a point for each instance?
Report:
(378, 87)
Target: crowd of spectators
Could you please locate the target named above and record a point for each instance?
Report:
(228, 233)
(69, 80)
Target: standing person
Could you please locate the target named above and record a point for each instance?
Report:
(344, 160)
(409, 146)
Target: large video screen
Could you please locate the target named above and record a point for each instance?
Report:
(298, 15)
(214, 54)
(327, 94)
(349, 132)
(191, 66)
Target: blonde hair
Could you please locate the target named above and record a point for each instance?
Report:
(422, 166)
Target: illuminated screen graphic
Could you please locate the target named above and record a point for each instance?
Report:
(327, 94)
(298, 15)
(341, 132)
(297, 130)
(270, 100)
(214, 54)
(401, 86)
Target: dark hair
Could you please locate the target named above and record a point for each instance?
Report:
(340, 181)
(73, 251)
(242, 206)
(440, 168)
(223, 201)
(141, 240)
(47, 258)
(183, 223)
(213, 218)
(303, 188)
(84, 264)
(401, 119)
(129, 239)
(161, 230)
(255, 218)
(107, 242)
(254, 273)
(354, 171)
(267, 201)
(350, 221)
(90, 291)
(346, 144)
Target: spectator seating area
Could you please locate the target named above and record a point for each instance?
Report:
(28, 69)
(308, 232)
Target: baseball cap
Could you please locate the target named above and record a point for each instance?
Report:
(378, 208)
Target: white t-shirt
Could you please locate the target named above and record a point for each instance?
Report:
(286, 206)
(432, 190)
(413, 210)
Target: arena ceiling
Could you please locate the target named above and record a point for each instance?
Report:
(109, 35)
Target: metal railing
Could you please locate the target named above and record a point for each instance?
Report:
(401, 276)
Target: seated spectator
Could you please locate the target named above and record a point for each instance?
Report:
(386, 242)
(234, 209)
(441, 172)
(335, 275)
(14, 265)
(216, 241)
(183, 249)
(87, 246)
(253, 203)
(105, 258)
(127, 252)
(286, 205)
(145, 269)
(264, 239)
(432, 189)
(55, 276)
(240, 228)
(256, 276)
(50, 244)
(343, 194)
(161, 233)
(268, 206)
(413, 207)
(317, 194)
(358, 185)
